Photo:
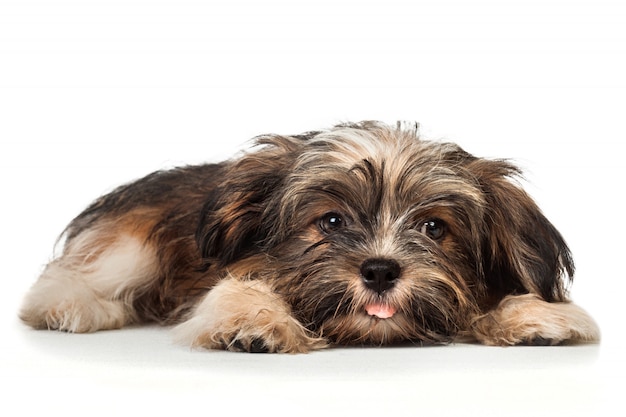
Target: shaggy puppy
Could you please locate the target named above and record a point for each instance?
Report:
(362, 234)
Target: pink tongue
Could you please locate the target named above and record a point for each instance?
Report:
(380, 310)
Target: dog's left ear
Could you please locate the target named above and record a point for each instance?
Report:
(231, 222)
(522, 251)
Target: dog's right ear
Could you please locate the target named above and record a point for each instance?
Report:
(230, 224)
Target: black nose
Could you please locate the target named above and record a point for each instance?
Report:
(380, 274)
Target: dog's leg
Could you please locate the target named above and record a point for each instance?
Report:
(246, 315)
(90, 286)
(527, 319)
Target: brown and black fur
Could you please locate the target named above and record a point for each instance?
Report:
(272, 251)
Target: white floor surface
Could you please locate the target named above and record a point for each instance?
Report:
(140, 371)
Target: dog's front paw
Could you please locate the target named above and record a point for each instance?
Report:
(246, 316)
(265, 332)
(528, 320)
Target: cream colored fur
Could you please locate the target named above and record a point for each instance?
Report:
(85, 290)
(238, 313)
(527, 318)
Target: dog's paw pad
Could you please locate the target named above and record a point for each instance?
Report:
(540, 341)
(255, 345)
(258, 346)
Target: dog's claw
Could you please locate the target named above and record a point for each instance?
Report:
(539, 341)
(256, 345)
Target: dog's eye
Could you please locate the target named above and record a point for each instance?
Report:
(331, 222)
(434, 228)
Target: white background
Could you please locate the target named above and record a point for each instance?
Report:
(96, 93)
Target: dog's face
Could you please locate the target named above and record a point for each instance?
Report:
(374, 236)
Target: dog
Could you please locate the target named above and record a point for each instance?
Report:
(362, 234)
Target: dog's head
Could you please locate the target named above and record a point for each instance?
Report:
(375, 236)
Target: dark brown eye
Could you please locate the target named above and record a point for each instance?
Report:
(434, 228)
(331, 222)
